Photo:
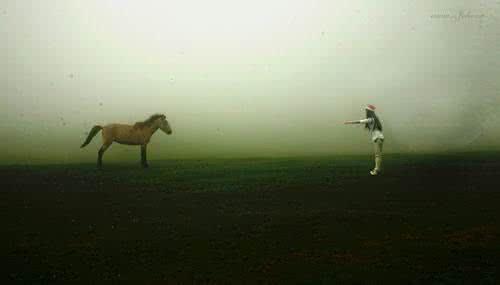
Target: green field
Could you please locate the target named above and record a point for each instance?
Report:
(428, 219)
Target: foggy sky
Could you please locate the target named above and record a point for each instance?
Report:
(248, 78)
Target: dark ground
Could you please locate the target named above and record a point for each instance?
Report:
(429, 219)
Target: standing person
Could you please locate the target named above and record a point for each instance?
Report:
(374, 126)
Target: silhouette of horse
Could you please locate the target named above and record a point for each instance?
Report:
(138, 134)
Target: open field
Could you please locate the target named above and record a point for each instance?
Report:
(429, 219)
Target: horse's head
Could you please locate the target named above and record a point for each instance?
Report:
(164, 125)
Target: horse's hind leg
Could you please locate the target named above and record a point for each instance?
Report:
(144, 160)
(103, 148)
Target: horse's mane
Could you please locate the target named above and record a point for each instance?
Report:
(149, 121)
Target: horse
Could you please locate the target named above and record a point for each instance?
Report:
(138, 134)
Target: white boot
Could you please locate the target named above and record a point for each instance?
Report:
(378, 166)
(378, 157)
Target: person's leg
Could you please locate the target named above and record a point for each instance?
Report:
(378, 155)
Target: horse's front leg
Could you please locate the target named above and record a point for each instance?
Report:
(144, 160)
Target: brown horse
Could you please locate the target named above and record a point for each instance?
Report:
(138, 134)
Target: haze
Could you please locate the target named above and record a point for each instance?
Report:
(248, 78)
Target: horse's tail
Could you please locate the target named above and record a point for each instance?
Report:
(91, 135)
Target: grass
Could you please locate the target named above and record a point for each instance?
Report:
(428, 219)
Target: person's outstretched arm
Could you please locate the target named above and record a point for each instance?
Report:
(364, 121)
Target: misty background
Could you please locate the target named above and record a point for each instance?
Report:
(248, 78)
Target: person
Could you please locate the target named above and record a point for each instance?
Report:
(374, 126)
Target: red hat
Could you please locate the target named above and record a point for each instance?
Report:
(370, 107)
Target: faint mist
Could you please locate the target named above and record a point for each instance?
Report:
(248, 78)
